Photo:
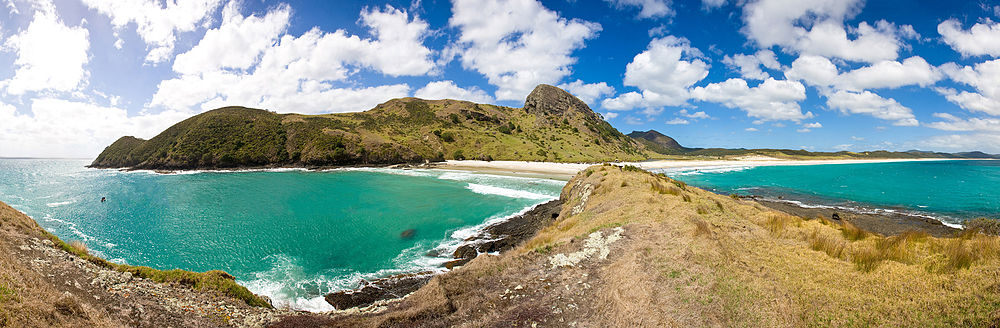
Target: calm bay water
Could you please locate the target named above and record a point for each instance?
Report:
(290, 235)
(952, 191)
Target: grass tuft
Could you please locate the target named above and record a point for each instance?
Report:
(852, 232)
(700, 226)
(830, 244)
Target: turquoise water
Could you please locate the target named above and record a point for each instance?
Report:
(290, 235)
(952, 191)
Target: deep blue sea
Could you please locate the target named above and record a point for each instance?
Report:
(951, 191)
(292, 235)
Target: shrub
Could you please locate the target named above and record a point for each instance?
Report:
(454, 118)
(458, 155)
(447, 136)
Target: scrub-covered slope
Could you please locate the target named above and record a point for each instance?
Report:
(552, 126)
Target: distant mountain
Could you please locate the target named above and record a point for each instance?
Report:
(657, 142)
(552, 126)
(665, 145)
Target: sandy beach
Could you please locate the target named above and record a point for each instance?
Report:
(565, 171)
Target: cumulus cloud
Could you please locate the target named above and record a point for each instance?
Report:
(251, 35)
(891, 74)
(820, 71)
(953, 123)
(63, 128)
(448, 90)
(296, 74)
(982, 39)
(588, 92)
(663, 72)
(816, 28)
(517, 44)
(772, 100)
(647, 8)
(678, 121)
(695, 115)
(749, 65)
(984, 77)
(868, 103)
(156, 22)
(50, 55)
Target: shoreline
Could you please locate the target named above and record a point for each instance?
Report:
(887, 223)
(569, 169)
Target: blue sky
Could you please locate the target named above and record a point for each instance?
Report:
(819, 75)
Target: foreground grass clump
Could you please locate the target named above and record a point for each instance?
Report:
(212, 280)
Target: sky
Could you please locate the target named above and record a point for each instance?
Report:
(820, 75)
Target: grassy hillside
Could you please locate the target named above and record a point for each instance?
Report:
(653, 252)
(33, 297)
(552, 126)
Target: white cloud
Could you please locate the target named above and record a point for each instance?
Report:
(62, 128)
(517, 44)
(647, 8)
(610, 115)
(695, 115)
(814, 70)
(979, 40)
(295, 74)
(988, 142)
(821, 72)
(157, 23)
(588, 92)
(749, 65)
(891, 74)
(50, 55)
(678, 121)
(772, 100)
(251, 35)
(662, 74)
(814, 125)
(448, 90)
(816, 28)
(953, 123)
(712, 4)
(868, 103)
(971, 101)
(984, 77)
(751, 129)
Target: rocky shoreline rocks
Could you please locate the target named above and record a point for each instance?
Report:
(495, 238)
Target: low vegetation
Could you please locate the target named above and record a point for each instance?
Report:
(212, 280)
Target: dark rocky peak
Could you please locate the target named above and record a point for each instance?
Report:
(549, 100)
(657, 138)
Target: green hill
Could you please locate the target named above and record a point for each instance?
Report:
(552, 126)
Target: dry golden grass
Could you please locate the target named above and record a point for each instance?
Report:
(765, 268)
(852, 232)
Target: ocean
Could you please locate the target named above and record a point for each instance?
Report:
(950, 191)
(292, 235)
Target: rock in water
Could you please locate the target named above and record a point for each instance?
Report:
(408, 233)
(382, 289)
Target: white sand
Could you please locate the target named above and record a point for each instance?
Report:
(567, 170)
